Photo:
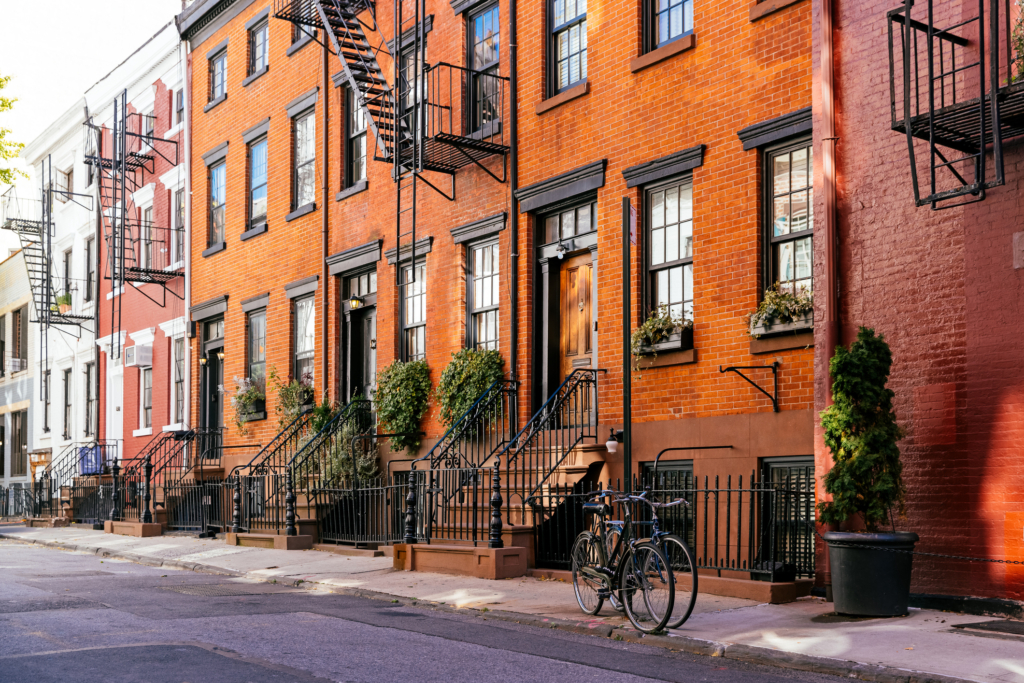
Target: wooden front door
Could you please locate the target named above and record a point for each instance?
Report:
(576, 314)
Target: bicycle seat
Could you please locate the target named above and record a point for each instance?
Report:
(601, 509)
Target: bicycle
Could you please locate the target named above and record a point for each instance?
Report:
(643, 567)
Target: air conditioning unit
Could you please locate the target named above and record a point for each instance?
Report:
(138, 356)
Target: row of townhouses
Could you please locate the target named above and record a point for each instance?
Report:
(269, 203)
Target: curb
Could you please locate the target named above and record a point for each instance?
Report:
(695, 646)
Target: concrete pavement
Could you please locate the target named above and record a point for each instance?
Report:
(802, 635)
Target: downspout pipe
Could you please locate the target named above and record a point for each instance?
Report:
(513, 72)
(325, 297)
(97, 241)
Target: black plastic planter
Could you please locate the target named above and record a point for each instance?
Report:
(869, 581)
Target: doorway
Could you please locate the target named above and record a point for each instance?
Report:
(575, 314)
(363, 380)
(213, 394)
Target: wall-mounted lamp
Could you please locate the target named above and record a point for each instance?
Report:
(355, 302)
(614, 439)
(560, 251)
(202, 361)
(220, 355)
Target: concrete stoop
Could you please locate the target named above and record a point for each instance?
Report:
(275, 541)
(480, 562)
(137, 529)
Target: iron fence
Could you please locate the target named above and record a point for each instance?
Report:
(17, 502)
(363, 513)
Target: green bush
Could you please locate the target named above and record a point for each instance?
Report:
(402, 398)
(339, 456)
(861, 432)
(466, 377)
(291, 397)
(249, 398)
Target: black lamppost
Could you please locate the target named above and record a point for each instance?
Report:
(627, 376)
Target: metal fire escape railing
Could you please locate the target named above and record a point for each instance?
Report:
(437, 118)
(956, 93)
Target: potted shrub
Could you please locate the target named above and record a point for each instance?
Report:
(402, 398)
(662, 331)
(64, 303)
(865, 483)
(249, 401)
(466, 377)
(782, 311)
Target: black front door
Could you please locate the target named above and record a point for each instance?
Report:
(364, 353)
(213, 413)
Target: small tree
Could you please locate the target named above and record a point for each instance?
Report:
(8, 148)
(861, 432)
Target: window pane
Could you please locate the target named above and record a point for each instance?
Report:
(583, 220)
(781, 173)
(802, 258)
(568, 223)
(662, 288)
(672, 243)
(658, 247)
(551, 229)
(658, 209)
(780, 216)
(559, 12)
(799, 174)
(800, 213)
(258, 180)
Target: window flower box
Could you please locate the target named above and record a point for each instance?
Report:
(773, 326)
(680, 340)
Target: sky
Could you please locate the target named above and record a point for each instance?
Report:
(56, 50)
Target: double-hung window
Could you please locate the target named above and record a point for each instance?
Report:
(179, 106)
(257, 351)
(46, 401)
(67, 404)
(257, 182)
(568, 43)
(179, 380)
(305, 339)
(90, 268)
(668, 20)
(790, 218)
(218, 192)
(91, 403)
(411, 91)
(414, 312)
(145, 398)
(19, 332)
(483, 296)
(67, 272)
(178, 247)
(218, 75)
(670, 247)
(146, 235)
(484, 56)
(355, 140)
(19, 443)
(259, 40)
(304, 159)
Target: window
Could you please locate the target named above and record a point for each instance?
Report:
(218, 75)
(790, 218)
(305, 337)
(91, 403)
(671, 19)
(179, 106)
(484, 55)
(569, 43)
(65, 180)
(178, 236)
(483, 296)
(258, 47)
(67, 263)
(3, 347)
(570, 222)
(67, 404)
(90, 268)
(258, 349)
(362, 285)
(411, 91)
(148, 128)
(19, 443)
(304, 180)
(179, 380)
(218, 190)
(146, 237)
(46, 401)
(355, 140)
(19, 331)
(145, 398)
(670, 247)
(414, 312)
(258, 182)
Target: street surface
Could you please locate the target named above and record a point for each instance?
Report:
(71, 617)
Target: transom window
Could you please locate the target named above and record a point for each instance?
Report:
(484, 295)
(218, 75)
(569, 223)
(258, 182)
(304, 180)
(670, 247)
(258, 44)
(484, 57)
(569, 42)
(672, 19)
(355, 140)
(362, 285)
(305, 338)
(218, 192)
(791, 219)
(414, 313)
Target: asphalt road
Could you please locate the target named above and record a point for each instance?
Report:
(70, 617)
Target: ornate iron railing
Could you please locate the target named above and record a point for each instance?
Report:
(85, 459)
(363, 513)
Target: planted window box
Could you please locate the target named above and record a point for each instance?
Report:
(774, 326)
(680, 340)
(782, 311)
(660, 333)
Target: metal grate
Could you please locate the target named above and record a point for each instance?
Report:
(206, 590)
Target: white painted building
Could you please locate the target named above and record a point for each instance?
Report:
(18, 387)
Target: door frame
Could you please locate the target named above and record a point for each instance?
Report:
(347, 332)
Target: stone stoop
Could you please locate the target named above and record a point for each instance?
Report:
(481, 562)
(275, 541)
(48, 522)
(133, 529)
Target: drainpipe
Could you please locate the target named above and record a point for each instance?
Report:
(323, 236)
(187, 86)
(97, 237)
(828, 153)
(513, 51)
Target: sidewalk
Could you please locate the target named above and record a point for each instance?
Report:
(803, 635)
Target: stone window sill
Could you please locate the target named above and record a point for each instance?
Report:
(354, 189)
(253, 231)
(215, 248)
(252, 77)
(664, 52)
(176, 427)
(302, 42)
(800, 340)
(762, 9)
(214, 103)
(301, 211)
(563, 97)
(669, 358)
(148, 431)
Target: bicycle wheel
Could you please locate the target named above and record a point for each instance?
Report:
(586, 586)
(684, 573)
(648, 588)
(612, 533)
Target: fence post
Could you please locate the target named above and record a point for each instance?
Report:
(410, 509)
(236, 505)
(115, 509)
(495, 540)
(147, 516)
(289, 505)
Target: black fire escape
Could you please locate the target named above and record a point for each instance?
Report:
(438, 118)
(139, 252)
(956, 87)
